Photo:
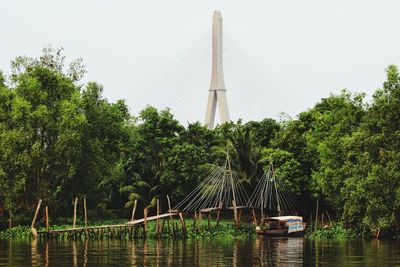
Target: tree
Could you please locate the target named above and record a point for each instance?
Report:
(156, 135)
(373, 160)
(286, 167)
(184, 170)
(57, 140)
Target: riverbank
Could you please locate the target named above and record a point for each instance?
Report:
(225, 229)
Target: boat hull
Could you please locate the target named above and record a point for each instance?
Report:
(279, 233)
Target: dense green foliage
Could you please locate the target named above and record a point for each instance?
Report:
(60, 139)
(335, 231)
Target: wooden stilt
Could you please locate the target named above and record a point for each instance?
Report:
(209, 220)
(134, 209)
(254, 216)
(145, 222)
(33, 229)
(169, 207)
(183, 224)
(47, 220)
(262, 210)
(170, 214)
(199, 222)
(316, 216)
(75, 204)
(85, 212)
(194, 221)
(219, 212)
(235, 215)
(158, 220)
(239, 216)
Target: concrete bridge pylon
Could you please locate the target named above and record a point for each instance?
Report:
(217, 91)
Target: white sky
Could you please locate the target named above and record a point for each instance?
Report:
(311, 47)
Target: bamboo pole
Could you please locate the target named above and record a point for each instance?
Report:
(254, 216)
(145, 222)
(33, 229)
(169, 207)
(158, 220)
(218, 212)
(209, 220)
(183, 224)
(235, 215)
(170, 213)
(262, 207)
(75, 204)
(199, 218)
(316, 216)
(36, 213)
(85, 211)
(47, 219)
(134, 209)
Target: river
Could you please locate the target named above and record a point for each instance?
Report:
(244, 252)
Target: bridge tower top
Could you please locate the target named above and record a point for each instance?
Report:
(217, 91)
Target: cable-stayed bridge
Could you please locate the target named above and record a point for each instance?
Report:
(213, 81)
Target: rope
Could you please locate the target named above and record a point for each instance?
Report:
(269, 189)
(218, 186)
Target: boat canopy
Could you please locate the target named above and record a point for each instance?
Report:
(294, 223)
(286, 218)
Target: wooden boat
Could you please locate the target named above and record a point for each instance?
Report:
(281, 226)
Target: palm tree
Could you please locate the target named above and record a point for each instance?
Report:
(245, 154)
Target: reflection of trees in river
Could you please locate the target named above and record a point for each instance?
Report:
(189, 253)
(248, 252)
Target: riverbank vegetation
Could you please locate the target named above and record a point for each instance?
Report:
(334, 231)
(171, 229)
(60, 139)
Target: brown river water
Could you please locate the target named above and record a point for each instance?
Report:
(213, 252)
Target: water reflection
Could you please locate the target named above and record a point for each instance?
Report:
(248, 252)
(279, 250)
(35, 255)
